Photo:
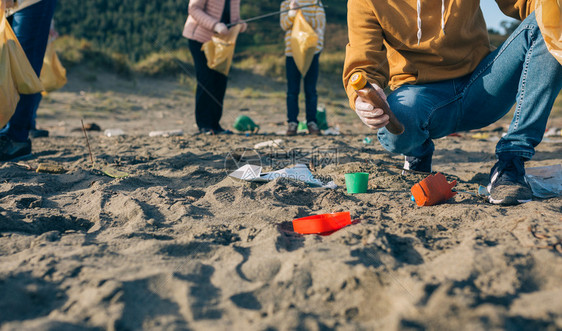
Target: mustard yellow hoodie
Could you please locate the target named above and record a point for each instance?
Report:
(389, 44)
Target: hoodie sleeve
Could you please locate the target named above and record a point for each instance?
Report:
(518, 9)
(365, 51)
(197, 10)
(285, 20)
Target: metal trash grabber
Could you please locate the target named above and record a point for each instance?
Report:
(274, 13)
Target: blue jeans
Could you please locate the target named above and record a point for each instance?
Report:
(31, 26)
(520, 72)
(293, 89)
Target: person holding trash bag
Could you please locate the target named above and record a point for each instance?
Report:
(31, 26)
(207, 17)
(444, 76)
(313, 13)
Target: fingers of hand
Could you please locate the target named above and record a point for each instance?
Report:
(375, 113)
(364, 106)
(377, 122)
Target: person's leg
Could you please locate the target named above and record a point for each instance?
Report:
(293, 89)
(31, 26)
(520, 72)
(205, 102)
(427, 111)
(311, 96)
(218, 90)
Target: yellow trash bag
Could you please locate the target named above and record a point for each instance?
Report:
(549, 18)
(303, 43)
(16, 74)
(53, 74)
(219, 51)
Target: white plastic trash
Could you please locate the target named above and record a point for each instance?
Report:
(546, 182)
(270, 143)
(169, 133)
(114, 132)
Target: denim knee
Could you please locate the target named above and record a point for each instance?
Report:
(402, 144)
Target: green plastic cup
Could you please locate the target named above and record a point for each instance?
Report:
(244, 123)
(357, 182)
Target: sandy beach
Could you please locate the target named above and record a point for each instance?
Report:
(179, 245)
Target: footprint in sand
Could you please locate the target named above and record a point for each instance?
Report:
(225, 195)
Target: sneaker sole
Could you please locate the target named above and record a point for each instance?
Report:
(508, 202)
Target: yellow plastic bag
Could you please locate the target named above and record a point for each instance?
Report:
(219, 51)
(549, 18)
(303, 43)
(53, 74)
(17, 75)
(9, 96)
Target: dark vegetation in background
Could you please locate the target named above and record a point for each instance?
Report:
(137, 28)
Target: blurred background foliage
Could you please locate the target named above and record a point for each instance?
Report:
(145, 36)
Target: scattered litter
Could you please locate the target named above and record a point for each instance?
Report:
(483, 191)
(546, 182)
(357, 182)
(550, 140)
(114, 173)
(114, 132)
(321, 117)
(323, 223)
(169, 133)
(244, 123)
(480, 136)
(300, 172)
(50, 168)
(553, 132)
(269, 143)
(433, 190)
(454, 135)
(367, 141)
(248, 172)
(331, 131)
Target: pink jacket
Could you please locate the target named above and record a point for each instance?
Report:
(204, 14)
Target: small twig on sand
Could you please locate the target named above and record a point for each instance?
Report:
(88, 143)
(557, 246)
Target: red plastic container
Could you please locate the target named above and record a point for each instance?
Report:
(322, 223)
(434, 189)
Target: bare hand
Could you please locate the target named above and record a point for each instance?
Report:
(294, 4)
(221, 28)
(372, 115)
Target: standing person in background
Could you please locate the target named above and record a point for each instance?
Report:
(205, 18)
(316, 17)
(31, 26)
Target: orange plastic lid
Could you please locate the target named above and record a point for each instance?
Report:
(358, 81)
(322, 223)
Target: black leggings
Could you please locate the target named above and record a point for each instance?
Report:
(211, 87)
